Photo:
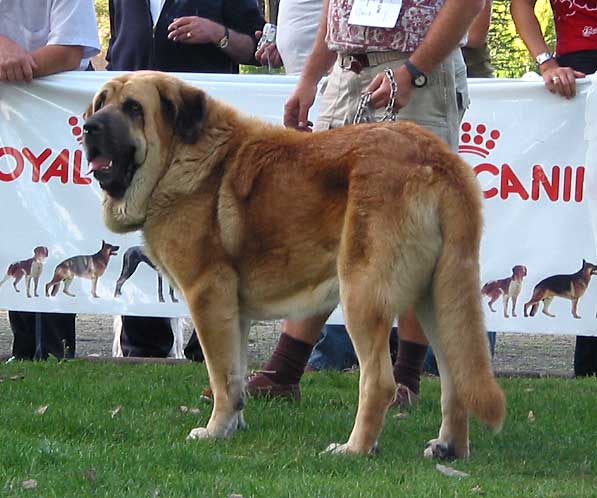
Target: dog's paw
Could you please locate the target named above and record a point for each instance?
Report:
(344, 449)
(439, 449)
(199, 433)
(336, 449)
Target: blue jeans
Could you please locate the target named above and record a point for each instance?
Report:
(334, 350)
(430, 365)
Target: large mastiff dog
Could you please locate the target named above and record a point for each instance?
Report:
(254, 221)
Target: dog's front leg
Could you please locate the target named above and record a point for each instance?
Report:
(216, 318)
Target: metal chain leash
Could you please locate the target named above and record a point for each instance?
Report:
(363, 114)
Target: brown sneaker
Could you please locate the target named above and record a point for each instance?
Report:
(405, 397)
(259, 385)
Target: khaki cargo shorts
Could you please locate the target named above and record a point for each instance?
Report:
(438, 106)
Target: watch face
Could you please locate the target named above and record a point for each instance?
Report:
(420, 80)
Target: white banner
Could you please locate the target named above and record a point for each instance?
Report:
(534, 154)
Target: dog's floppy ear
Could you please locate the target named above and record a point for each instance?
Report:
(184, 106)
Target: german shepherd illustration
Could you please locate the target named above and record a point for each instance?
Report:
(132, 258)
(507, 287)
(29, 268)
(90, 266)
(567, 286)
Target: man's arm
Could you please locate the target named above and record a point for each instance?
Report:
(444, 35)
(321, 59)
(479, 29)
(195, 30)
(56, 58)
(557, 79)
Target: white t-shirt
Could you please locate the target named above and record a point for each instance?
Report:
(155, 6)
(298, 21)
(36, 23)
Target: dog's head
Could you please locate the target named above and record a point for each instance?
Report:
(40, 253)
(130, 128)
(519, 271)
(589, 267)
(109, 249)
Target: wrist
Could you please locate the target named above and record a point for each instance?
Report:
(548, 66)
(223, 36)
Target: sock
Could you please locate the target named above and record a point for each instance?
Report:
(407, 369)
(288, 361)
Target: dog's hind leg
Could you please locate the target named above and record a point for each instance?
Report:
(546, 303)
(369, 330)
(67, 282)
(214, 308)
(453, 438)
(130, 262)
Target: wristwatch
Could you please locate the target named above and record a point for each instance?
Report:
(223, 43)
(543, 57)
(418, 77)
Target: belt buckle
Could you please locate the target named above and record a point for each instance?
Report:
(350, 63)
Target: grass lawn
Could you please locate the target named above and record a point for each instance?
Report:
(83, 445)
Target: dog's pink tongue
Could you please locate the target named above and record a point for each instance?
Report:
(99, 163)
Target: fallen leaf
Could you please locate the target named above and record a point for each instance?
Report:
(29, 484)
(235, 496)
(194, 411)
(116, 411)
(449, 471)
(17, 377)
(91, 475)
(42, 409)
(183, 408)
(401, 416)
(477, 490)
(531, 417)
(205, 398)
(529, 390)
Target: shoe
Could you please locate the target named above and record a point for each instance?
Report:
(405, 397)
(259, 385)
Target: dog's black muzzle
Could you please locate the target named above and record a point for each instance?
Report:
(110, 151)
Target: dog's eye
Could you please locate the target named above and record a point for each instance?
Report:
(99, 103)
(132, 107)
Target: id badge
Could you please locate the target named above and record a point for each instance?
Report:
(375, 13)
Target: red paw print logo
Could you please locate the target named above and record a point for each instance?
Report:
(479, 141)
(76, 130)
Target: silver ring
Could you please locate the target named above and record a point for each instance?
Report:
(188, 34)
(555, 79)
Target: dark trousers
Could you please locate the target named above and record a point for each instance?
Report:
(585, 352)
(152, 337)
(38, 335)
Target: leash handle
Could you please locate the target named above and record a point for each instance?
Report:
(364, 114)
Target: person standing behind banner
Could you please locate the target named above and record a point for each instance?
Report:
(177, 36)
(38, 38)
(421, 50)
(576, 56)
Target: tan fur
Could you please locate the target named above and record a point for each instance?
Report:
(254, 221)
(509, 288)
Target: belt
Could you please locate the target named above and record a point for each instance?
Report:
(357, 62)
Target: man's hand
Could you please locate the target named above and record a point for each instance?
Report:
(380, 88)
(268, 54)
(296, 109)
(195, 30)
(560, 80)
(16, 64)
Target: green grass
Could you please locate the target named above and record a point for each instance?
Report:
(77, 449)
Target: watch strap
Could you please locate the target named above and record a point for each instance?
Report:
(223, 43)
(418, 77)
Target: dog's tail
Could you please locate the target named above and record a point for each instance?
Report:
(461, 330)
(7, 276)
